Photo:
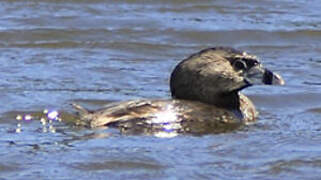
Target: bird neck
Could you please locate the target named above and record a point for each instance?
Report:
(229, 100)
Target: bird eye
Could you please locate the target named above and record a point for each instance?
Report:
(239, 64)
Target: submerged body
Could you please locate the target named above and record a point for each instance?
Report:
(183, 116)
(206, 99)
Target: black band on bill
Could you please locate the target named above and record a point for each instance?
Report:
(268, 77)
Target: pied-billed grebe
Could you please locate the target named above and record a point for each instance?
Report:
(205, 97)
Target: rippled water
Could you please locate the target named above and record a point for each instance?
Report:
(55, 52)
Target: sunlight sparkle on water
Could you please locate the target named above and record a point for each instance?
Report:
(53, 115)
(46, 120)
(27, 117)
(168, 115)
(167, 119)
(164, 134)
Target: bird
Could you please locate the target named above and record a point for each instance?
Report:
(205, 97)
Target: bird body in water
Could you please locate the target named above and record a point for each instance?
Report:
(206, 97)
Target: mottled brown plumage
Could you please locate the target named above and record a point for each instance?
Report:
(206, 99)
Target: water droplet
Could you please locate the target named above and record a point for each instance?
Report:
(45, 111)
(53, 115)
(53, 130)
(28, 117)
(18, 130)
(43, 121)
(19, 117)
